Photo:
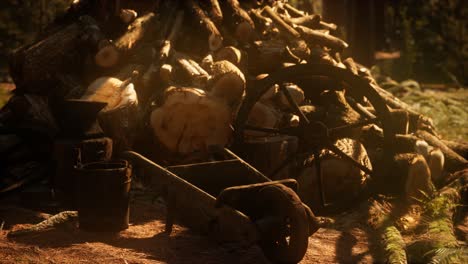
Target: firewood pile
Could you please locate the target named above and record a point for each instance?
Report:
(175, 76)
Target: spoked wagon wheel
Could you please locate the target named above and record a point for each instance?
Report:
(316, 136)
(283, 224)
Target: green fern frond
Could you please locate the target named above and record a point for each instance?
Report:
(394, 245)
(449, 255)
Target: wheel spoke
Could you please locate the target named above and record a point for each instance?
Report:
(294, 104)
(343, 155)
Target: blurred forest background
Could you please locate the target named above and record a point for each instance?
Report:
(422, 40)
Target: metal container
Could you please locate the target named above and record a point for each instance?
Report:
(103, 195)
(81, 140)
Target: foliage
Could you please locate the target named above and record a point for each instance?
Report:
(394, 245)
(438, 243)
(432, 38)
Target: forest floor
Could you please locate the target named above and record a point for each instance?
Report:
(348, 240)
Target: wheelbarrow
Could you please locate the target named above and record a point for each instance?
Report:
(231, 201)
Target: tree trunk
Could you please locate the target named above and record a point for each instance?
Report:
(36, 68)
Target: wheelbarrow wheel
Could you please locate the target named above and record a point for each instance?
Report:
(283, 224)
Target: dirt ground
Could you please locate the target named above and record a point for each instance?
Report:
(144, 241)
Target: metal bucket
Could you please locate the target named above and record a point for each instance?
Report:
(103, 195)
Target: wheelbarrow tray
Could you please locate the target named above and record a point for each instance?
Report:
(191, 193)
(216, 198)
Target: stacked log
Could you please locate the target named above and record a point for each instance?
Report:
(195, 62)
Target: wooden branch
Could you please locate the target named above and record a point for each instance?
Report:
(216, 12)
(215, 40)
(228, 83)
(245, 27)
(351, 65)
(196, 74)
(294, 10)
(281, 23)
(240, 12)
(164, 51)
(311, 20)
(328, 26)
(264, 21)
(322, 39)
(137, 33)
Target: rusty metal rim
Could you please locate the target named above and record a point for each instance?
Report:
(120, 165)
(303, 71)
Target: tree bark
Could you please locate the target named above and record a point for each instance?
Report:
(138, 32)
(35, 68)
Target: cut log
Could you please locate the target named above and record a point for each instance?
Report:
(298, 50)
(192, 71)
(297, 94)
(244, 27)
(190, 120)
(165, 50)
(228, 83)
(342, 181)
(262, 116)
(216, 12)
(229, 53)
(138, 32)
(215, 39)
(459, 147)
(419, 182)
(128, 15)
(266, 56)
(351, 65)
(114, 92)
(35, 68)
(107, 56)
(453, 161)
